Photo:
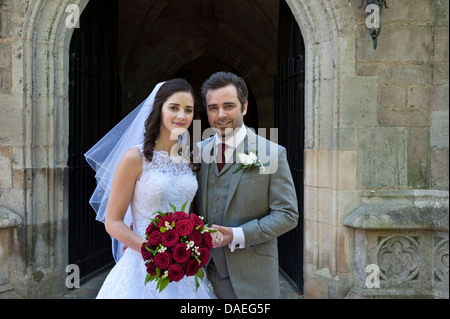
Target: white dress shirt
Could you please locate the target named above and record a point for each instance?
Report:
(231, 143)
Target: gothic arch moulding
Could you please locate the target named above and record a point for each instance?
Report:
(328, 31)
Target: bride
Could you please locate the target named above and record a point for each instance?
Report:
(138, 175)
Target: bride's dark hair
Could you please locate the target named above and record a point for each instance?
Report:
(153, 122)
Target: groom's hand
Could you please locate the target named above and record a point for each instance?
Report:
(227, 237)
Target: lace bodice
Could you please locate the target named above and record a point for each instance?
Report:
(163, 181)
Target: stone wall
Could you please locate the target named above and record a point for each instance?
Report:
(34, 42)
(377, 120)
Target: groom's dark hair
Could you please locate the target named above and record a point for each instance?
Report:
(222, 79)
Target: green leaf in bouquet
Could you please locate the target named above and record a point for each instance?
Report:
(173, 208)
(148, 248)
(147, 278)
(197, 284)
(160, 214)
(211, 231)
(163, 229)
(201, 274)
(183, 208)
(163, 283)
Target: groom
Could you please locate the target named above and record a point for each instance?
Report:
(251, 207)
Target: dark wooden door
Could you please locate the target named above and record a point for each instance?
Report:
(94, 108)
(289, 119)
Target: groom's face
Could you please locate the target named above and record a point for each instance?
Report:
(224, 109)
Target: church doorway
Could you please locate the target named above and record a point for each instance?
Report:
(160, 39)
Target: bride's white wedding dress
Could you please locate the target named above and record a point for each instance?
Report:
(165, 180)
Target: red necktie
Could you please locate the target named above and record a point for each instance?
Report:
(221, 157)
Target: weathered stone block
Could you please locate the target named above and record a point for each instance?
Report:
(5, 79)
(418, 157)
(405, 118)
(439, 168)
(441, 46)
(395, 44)
(394, 74)
(359, 104)
(439, 129)
(6, 165)
(392, 98)
(381, 158)
(441, 12)
(11, 120)
(440, 74)
(439, 99)
(5, 53)
(419, 98)
(330, 169)
(344, 139)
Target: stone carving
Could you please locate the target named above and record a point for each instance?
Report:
(398, 258)
(440, 259)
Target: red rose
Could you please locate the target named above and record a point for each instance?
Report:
(184, 227)
(162, 221)
(196, 220)
(180, 253)
(163, 260)
(145, 253)
(192, 267)
(204, 256)
(170, 238)
(196, 237)
(155, 238)
(176, 272)
(150, 228)
(179, 215)
(151, 268)
(207, 240)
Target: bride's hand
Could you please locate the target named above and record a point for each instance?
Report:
(125, 246)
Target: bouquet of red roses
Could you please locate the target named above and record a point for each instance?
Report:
(177, 245)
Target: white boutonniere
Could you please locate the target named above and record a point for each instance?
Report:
(248, 161)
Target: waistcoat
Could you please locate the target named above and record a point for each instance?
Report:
(218, 185)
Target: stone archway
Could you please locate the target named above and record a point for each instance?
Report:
(40, 83)
(40, 78)
(330, 169)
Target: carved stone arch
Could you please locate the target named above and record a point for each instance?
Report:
(327, 31)
(40, 76)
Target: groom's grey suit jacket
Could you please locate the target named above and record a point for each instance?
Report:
(263, 204)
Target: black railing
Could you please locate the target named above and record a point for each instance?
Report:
(94, 108)
(289, 118)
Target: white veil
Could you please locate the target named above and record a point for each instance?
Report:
(106, 154)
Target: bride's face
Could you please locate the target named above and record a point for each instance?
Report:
(177, 113)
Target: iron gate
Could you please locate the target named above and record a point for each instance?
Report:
(94, 108)
(289, 118)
